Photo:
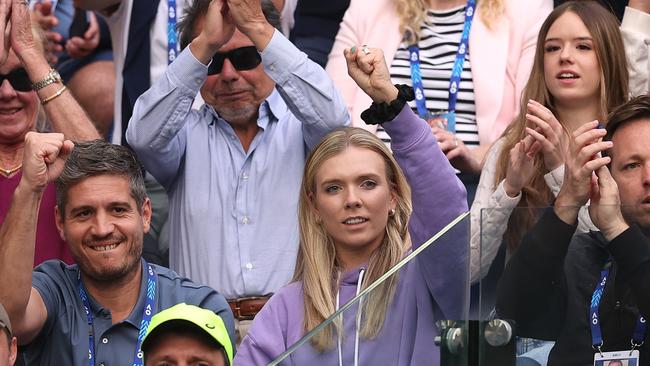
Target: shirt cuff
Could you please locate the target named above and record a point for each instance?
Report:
(504, 200)
(280, 57)
(636, 20)
(554, 179)
(188, 71)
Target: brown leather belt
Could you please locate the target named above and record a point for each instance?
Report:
(246, 308)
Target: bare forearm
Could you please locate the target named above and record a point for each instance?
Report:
(63, 112)
(566, 209)
(260, 34)
(17, 239)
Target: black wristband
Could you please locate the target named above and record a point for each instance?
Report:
(383, 112)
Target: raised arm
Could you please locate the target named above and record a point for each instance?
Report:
(156, 130)
(304, 86)
(43, 161)
(62, 110)
(438, 195)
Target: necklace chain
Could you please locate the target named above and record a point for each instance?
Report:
(8, 172)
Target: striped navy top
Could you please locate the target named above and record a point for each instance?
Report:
(439, 38)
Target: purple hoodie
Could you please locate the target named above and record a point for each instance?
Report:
(431, 287)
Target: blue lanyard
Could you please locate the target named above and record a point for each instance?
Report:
(594, 318)
(172, 37)
(454, 81)
(147, 313)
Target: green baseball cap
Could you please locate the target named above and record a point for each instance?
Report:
(204, 319)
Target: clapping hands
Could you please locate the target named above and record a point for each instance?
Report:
(17, 34)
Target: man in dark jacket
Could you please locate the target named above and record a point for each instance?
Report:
(586, 292)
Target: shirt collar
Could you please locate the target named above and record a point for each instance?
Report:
(271, 110)
(136, 314)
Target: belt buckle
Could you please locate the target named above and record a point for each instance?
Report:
(236, 306)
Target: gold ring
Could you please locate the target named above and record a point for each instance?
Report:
(365, 49)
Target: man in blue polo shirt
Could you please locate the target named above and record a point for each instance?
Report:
(99, 309)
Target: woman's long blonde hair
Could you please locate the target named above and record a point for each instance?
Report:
(317, 266)
(608, 45)
(412, 12)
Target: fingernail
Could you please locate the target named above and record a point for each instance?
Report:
(353, 49)
(600, 126)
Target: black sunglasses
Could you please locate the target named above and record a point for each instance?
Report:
(242, 58)
(18, 79)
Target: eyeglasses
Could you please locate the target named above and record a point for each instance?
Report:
(18, 79)
(243, 58)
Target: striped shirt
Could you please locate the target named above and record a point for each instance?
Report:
(439, 39)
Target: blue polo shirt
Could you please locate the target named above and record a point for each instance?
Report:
(64, 337)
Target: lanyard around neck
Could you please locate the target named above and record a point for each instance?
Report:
(594, 317)
(456, 72)
(172, 37)
(147, 313)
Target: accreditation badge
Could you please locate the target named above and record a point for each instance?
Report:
(444, 120)
(618, 358)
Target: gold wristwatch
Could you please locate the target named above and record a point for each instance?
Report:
(51, 78)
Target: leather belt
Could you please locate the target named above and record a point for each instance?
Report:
(246, 308)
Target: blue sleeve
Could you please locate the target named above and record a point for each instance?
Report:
(49, 279)
(438, 198)
(157, 129)
(306, 88)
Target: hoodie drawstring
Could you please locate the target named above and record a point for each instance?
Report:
(357, 323)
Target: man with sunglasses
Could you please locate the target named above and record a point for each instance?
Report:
(233, 168)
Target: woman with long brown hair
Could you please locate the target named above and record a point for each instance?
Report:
(361, 210)
(579, 75)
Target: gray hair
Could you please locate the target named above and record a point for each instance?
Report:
(98, 157)
(198, 8)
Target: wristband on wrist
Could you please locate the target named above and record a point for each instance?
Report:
(383, 112)
(54, 96)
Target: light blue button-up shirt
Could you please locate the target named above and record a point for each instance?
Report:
(233, 213)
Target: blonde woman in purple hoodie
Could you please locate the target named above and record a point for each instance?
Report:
(362, 209)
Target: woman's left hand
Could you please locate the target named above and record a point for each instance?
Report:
(456, 151)
(22, 38)
(5, 28)
(367, 67)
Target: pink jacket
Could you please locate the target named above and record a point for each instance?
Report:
(501, 58)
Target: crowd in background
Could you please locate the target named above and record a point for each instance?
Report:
(215, 178)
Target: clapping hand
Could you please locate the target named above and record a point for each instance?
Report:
(549, 133)
(218, 28)
(5, 29)
(605, 206)
(581, 163)
(521, 165)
